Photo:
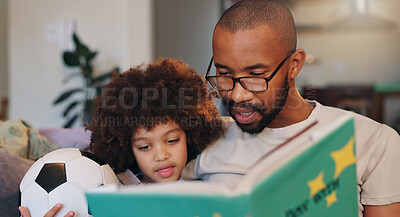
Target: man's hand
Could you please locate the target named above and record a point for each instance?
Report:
(51, 213)
(391, 210)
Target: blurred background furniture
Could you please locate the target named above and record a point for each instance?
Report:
(357, 98)
(4, 109)
(383, 91)
(369, 100)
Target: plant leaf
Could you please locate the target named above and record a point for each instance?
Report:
(66, 95)
(83, 50)
(87, 71)
(71, 121)
(71, 59)
(70, 107)
(80, 48)
(75, 38)
(97, 80)
(91, 56)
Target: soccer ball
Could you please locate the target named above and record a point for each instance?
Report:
(62, 176)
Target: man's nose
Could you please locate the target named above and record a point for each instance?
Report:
(239, 94)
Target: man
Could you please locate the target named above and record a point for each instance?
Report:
(254, 40)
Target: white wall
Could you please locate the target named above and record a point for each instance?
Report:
(184, 28)
(120, 30)
(3, 49)
(140, 32)
(349, 57)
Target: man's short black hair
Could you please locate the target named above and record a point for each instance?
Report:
(249, 14)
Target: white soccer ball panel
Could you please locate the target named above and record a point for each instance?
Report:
(84, 173)
(71, 197)
(31, 174)
(62, 155)
(35, 199)
(108, 175)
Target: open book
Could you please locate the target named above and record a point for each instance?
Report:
(312, 174)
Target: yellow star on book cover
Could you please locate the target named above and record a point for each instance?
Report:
(330, 199)
(216, 215)
(343, 157)
(316, 184)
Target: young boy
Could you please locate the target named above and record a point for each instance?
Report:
(153, 120)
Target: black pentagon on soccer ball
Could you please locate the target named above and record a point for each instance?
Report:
(51, 176)
(93, 157)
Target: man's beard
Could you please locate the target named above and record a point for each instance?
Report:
(267, 117)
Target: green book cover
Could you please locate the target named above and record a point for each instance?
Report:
(312, 175)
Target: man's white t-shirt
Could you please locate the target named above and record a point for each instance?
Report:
(377, 152)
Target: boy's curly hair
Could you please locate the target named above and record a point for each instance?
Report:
(148, 96)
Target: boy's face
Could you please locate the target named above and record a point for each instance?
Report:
(160, 153)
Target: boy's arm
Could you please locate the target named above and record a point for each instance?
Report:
(129, 178)
(391, 210)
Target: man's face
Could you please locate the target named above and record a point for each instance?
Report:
(254, 52)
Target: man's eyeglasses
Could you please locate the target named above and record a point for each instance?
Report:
(253, 84)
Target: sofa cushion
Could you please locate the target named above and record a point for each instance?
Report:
(21, 138)
(68, 138)
(12, 170)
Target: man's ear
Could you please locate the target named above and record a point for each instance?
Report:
(298, 58)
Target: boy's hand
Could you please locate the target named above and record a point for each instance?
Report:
(51, 213)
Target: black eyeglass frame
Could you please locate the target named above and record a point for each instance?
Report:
(235, 80)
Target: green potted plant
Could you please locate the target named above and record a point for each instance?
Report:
(80, 109)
